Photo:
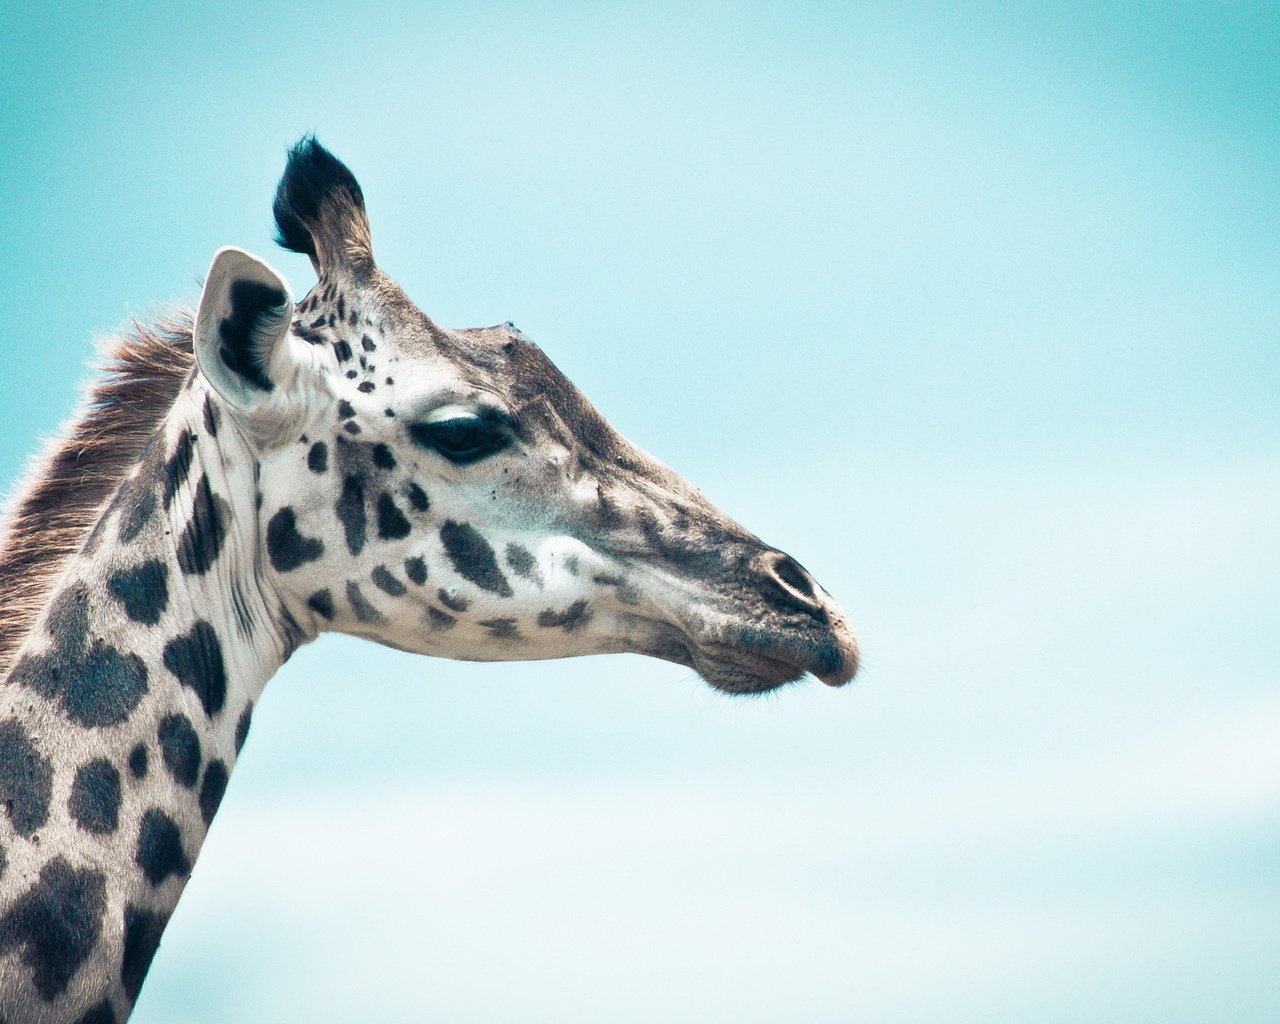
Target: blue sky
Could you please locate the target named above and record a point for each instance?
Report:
(972, 308)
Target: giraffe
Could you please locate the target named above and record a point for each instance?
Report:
(248, 477)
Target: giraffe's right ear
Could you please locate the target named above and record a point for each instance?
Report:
(243, 344)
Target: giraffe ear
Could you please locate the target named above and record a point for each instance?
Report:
(242, 337)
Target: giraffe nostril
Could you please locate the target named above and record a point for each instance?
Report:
(790, 584)
(791, 573)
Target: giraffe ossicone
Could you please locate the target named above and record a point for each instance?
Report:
(249, 478)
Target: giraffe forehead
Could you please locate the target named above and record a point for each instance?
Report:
(382, 340)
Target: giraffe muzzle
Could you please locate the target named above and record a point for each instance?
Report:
(759, 625)
(822, 642)
(757, 652)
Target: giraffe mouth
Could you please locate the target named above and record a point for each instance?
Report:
(758, 661)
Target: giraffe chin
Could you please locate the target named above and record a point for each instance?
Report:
(744, 675)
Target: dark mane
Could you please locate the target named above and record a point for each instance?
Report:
(51, 512)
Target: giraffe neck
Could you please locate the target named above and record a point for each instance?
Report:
(122, 717)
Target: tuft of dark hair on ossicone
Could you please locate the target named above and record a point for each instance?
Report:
(319, 209)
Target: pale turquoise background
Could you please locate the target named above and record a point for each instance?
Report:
(973, 308)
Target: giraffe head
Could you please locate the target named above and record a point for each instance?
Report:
(450, 492)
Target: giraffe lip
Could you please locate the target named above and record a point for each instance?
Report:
(754, 660)
(762, 660)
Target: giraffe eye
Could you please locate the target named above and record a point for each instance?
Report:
(463, 440)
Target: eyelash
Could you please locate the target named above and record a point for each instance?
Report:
(462, 441)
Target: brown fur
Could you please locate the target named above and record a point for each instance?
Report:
(51, 513)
